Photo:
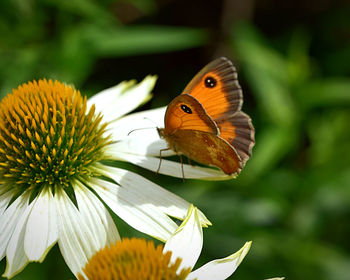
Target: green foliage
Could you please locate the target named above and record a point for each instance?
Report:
(293, 197)
(64, 39)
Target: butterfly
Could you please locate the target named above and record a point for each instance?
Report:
(205, 122)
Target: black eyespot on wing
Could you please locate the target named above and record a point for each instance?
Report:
(210, 82)
(186, 109)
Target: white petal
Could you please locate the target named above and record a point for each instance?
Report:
(173, 168)
(5, 199)
(126, 98)
(187, 241)
(142, 121)
(109, 95)
(166, 201)
(141, 142)
(9, 219)
(75, 239)
(222, 268)
(41, 230)
(96, 215)
(134, 209)
(112, 233)
(15, 255)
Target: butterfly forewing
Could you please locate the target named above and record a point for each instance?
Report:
(186, 113)
(217, 87)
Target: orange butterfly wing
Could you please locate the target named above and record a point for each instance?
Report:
(209, 149)
(186, 113)
(205, 122)
(238, 131)
(216, 87)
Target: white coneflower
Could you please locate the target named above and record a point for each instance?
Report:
(137, 259)
(54, 178)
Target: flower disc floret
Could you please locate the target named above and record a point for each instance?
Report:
(47, 137)
(134, 259)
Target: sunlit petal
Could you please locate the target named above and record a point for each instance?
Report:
(41, 231)
(9, 220)
(135, 210)
(76, 240)
(127, 98)
(187, 241)
(148, 120)
(109, 95)
(96, 215)
(167, 202)
(141, 142)
(15, 255)
(221, 268)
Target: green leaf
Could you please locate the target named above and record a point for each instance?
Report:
(325, 92)
(135, 40)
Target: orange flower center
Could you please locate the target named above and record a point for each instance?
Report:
(133, 259)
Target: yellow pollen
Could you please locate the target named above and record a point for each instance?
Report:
(133, 259)
(37, 137)
(16, 150)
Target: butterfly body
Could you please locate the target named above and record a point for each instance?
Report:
(205, 122)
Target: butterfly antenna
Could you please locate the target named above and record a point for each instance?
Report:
(145, 118)
(131, 131)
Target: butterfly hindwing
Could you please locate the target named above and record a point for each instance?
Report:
(208, 149)
(238, 131)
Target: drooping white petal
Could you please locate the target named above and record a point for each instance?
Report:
(96, 215)
(187, 241)
(173, 168)
(41, 230)
(222, 268)
(75, 239)
(116, 102)
(9, 220)
(134, 209)
(166, 201)
(15, 254)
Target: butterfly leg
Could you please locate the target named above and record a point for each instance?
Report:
(160, 158)
(182, 168)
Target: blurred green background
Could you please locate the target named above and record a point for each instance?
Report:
(293, 197)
